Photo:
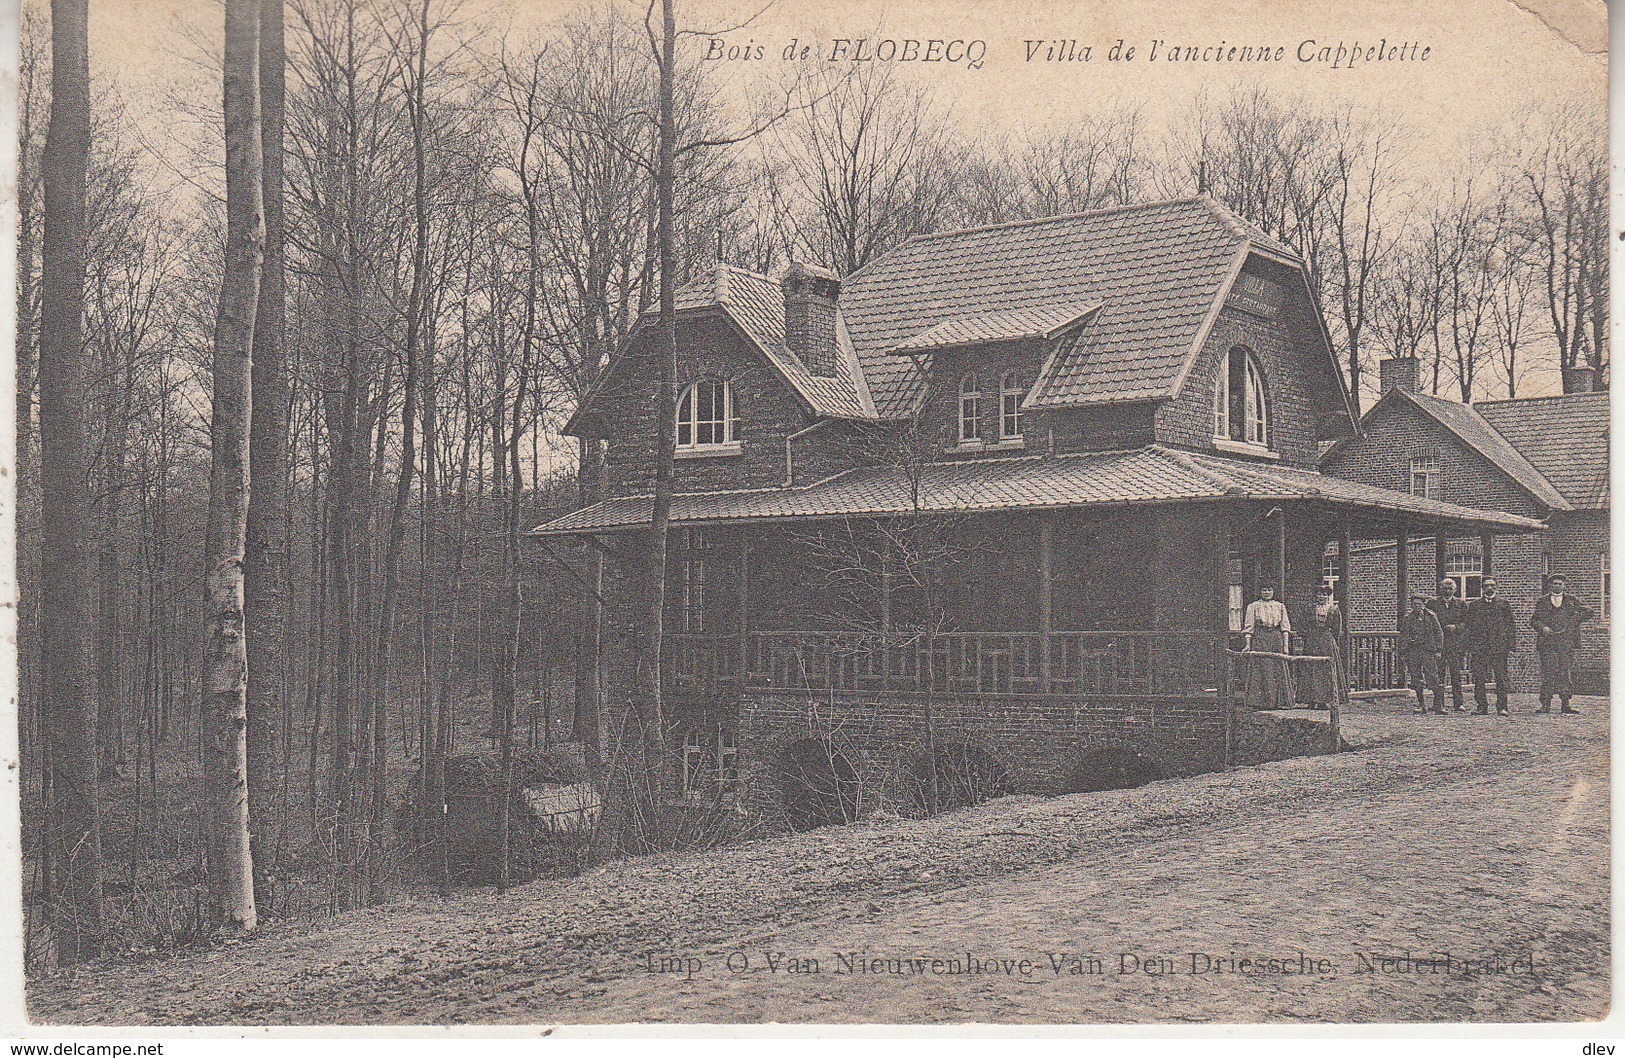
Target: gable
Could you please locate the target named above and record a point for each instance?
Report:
(1397, 430)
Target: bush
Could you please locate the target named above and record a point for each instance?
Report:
(474, 792)
(818, 785)
(1109, 767)
(966, 774)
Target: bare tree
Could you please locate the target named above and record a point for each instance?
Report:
(265, 591)
(65, 576)
(225, 656)
(1565, 175)
(862, 166)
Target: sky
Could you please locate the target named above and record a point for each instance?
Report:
(1489, 65)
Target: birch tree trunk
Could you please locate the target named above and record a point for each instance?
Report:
(265, 598)
(225, 656)
(65, 588)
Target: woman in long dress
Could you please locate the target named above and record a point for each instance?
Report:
(1324, 685)
(1269, 673)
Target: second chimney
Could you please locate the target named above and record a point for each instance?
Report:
(1399, 372)
(1579, 379)
(810, 297)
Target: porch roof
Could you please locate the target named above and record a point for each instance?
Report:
(1153, 475)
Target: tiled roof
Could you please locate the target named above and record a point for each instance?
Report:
(1565, 437)
(1157, 270)
(1151, 475)
(1040, 321)
(755, 303)
(1469, 424)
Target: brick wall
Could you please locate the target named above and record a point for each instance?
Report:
(1035, 738)
(1392, 434)
(1397, 431)
(769, 411)
(1577, 542)
(1300, 388)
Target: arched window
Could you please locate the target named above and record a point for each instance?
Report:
(970, 409)
(1010, 397)
(707, 416)
(1241, 408)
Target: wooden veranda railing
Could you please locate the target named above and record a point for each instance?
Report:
(1105, 663)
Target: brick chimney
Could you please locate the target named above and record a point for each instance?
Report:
(810, 296)
(1399, 372)
(1579, 379)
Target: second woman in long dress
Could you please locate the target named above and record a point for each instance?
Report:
(1325, 684)
(1269, 674)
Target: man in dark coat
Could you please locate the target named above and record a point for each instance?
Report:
(1556, 621)
(1420, 640)
(1491, 637)
(1452, 615)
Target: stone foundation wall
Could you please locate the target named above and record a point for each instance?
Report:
(1036, 739)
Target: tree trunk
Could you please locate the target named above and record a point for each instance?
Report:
(65, 589)
(265, 597)
(648, 695)
(225, 656)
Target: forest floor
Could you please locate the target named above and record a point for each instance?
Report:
(1449, 868)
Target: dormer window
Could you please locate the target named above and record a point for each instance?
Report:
(1241, 409)
(970, 409)
(707, 417)
(1010, 397)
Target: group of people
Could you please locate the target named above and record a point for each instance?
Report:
(1436, 634)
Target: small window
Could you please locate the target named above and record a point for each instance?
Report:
(1607, 589)
(1331, 566)
(1010, 397)
(1241, 410)
(970, 409)
(1425, 476)
(707, 416)
(1466, 571)
(693, 581)
(1236, 592)
(710, 760)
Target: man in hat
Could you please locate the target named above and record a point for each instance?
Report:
(1420, 640)
(1556, 621)
(1491, 637)
(1452, 615)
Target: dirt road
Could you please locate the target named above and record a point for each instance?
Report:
(1451, 868)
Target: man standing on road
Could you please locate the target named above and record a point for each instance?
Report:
(1491, 637)
(1420, 640)
(1452, 615)
(1556, 622)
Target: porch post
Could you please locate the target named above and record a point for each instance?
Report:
(1402, 544)
(1046, 597)
(744, 607)
(1280, 554)
(1439, 556)
(1486, 547)
(1345, 564)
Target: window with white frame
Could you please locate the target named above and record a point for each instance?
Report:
(1425, 475)
(970, 409)
(1236, 592)
(1331, 566)
(710, 759)
(1010, 397)
(1465, 569)
(1607, 591)
(707, 416)
(693, 581)
(1241, 409)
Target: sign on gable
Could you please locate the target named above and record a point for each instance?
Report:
(1257, 295)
